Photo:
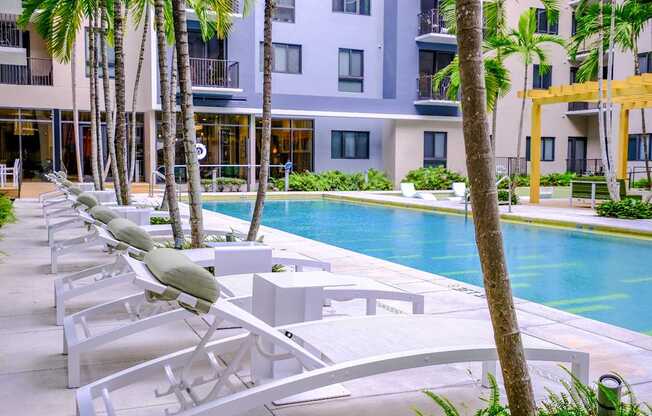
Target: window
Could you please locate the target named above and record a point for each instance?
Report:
(284, 11)
(573, 24)
(99, 55)
(351, 70)
(545, 25)
(541, 80)
(285, 58)
(352, 6)
(434, 148)
(636, 149)
(547, 149)
(349, 144)
(645, 62)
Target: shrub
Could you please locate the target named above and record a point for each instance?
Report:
(160, 220)
(558, 179)
(641, 183)
(6, 211)
(223, 184)
(503, 196)
(334, 180)
(517, 180)
(578, 399)
(628, 208)
(433, 178)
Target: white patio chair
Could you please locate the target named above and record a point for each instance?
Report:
(293, 359)
(459, 191)
(408, 191)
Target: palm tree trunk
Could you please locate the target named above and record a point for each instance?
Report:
(481, 169)
(188, 114)
(520, 124)
(120, 100)
(168, 138)
(494, 124)
(93, 90)
(108, 107)
(100, 139)
(263, 174)
(646, 150)
(75, 112)
(141, 59)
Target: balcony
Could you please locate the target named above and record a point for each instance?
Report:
(582, 108)
(215, 76)
(37, 71)
(427, 95)
(12, 51)
(584, 166)
(432, 28)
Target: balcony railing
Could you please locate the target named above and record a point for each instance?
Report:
(584, 166)
(511, 165)
(38, 71)
(431, 21)
(425, 90)
(10, 35)
(582, 106)
(214, 73)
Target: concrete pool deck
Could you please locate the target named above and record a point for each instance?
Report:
(33, 374)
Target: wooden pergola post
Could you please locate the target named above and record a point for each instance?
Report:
(623, 140)
(535, 153)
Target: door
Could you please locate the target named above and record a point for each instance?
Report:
(576, 161)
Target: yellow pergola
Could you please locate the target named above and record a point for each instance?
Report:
(630, 93)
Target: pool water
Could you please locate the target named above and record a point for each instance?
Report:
(601, 277)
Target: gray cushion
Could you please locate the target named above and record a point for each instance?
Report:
(87, 199)
(67, 183)
(131, 234)
(103, 214)
(75, 190)
(174, 269)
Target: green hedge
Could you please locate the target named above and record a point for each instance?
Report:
(551, 179)
(628, 208)
(6, 211)
(503, 196)
(160, 220)
(641, 183)
(433, 178)
(334, 180)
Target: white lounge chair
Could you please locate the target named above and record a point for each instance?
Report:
(142, 315)
(297, 358)
(459, 191)
(408, 191)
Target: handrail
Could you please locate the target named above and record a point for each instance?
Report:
(509, 190)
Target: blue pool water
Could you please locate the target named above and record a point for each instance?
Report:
(600, 277)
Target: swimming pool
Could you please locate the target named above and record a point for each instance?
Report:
(601, 277)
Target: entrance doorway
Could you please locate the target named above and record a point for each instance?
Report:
(576, 161)
(27, 135)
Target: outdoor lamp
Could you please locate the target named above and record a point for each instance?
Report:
(609, 391)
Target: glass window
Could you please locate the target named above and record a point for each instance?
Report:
(284, 11)
(351, 70)
(292, 140)
(286, 58)
(547, 149)
(540, 80)
(111, 53)
(352, 6)
(434, 148)
(545, 25)
(636, 147)
(349, 144)
(644, 62)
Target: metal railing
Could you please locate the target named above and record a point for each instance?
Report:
(431, 21)
(425, 90)
(10, 35)
(511, 165)
(582, 106)
(215, 73)
(213, 170)
(38, 71)
(635, 173)
(584, 166)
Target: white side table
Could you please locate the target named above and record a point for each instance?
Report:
(288, 298)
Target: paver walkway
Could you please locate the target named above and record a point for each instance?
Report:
(32, 368)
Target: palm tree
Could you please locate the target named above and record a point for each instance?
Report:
(93, 97)
(141, 13)
(96, 28)
(120, 100)
(75, 112)
(169, 118)
(631, 18)
(528, 45)
(486, 218)
(263, 173)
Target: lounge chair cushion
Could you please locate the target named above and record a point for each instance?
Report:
(103, 214)
(75, 190)
(67, 183)
(181, 275)
(131, 234)
(87, 199)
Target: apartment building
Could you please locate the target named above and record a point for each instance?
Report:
(351, 91)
